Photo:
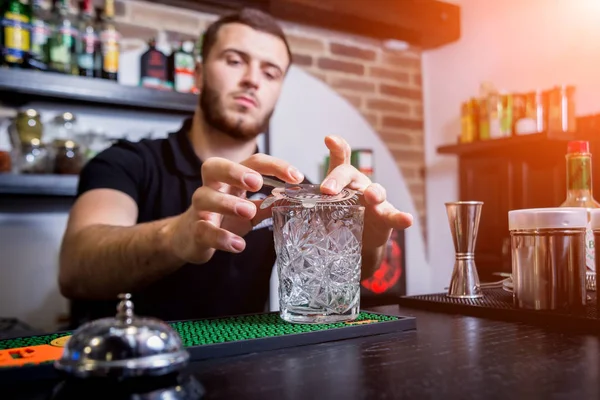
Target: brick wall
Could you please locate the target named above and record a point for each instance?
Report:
(384, 85)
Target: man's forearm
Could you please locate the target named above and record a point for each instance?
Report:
(101, 261)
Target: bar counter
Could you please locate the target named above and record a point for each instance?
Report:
(448, 356)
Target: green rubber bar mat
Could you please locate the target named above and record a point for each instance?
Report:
(229, 336)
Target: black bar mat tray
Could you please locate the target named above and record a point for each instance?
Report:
(230, 336)
(498, 304)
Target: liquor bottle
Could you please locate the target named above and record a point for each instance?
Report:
(197, 57)
(40, 35)
(63, 40)
(362, 160)
(579, 192)
(198, 48)
(2, 32)
(16, 20)
(98, 28)
(153, 68)
(109, 37)
(87, 43)
(181, 68)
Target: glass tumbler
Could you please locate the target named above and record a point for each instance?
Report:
(318, 248)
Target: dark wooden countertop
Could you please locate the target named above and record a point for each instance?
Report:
(447, 357)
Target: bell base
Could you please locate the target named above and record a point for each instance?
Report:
(155, 365)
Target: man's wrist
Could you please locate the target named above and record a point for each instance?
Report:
(166, 241)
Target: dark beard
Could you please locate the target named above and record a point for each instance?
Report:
(215, 117)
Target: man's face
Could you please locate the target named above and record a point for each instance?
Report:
(241, 80)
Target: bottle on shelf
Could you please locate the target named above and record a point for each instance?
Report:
(16, 27)
(99, 12)
(363, 160)
(181, 68)
(198, 48)
(2, 63)
(109, 37)
(40, 36)
(579, 193)
(87, 43)
(153, 68)
(6, 153)
(63, 40)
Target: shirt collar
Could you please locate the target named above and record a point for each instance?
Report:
(185, 159)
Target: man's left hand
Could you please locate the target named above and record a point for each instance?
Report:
(380, 216)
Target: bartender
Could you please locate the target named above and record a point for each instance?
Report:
(174, 221)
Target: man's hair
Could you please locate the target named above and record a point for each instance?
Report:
(251, 17)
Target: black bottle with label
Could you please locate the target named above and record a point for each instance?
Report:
(153, 68)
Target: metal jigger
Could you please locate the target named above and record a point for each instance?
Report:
(463, 217)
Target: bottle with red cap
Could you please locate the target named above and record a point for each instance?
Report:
(579, 194)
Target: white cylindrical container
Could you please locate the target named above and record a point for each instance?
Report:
(548, 258)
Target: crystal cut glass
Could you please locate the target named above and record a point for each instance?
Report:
(318, 260)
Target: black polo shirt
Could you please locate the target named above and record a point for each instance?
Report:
(161, 175)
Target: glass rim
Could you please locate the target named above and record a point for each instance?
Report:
(464, 202)
(322, 205)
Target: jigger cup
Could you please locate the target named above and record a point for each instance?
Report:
(463, 218)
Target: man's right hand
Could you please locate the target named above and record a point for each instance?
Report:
(220, 214)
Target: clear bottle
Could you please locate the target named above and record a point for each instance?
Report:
(40, 34)
(579, 194)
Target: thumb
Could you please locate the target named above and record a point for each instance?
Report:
(261, 214)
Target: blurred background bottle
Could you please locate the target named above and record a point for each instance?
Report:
(579, 194)
(40, 35)
(88, 42)
(62, 47)
(109, 36)
(15, 17)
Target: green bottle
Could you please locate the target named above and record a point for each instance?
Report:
(16, 20)
(63, 40)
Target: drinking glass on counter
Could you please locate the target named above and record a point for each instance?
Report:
(318, 241)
